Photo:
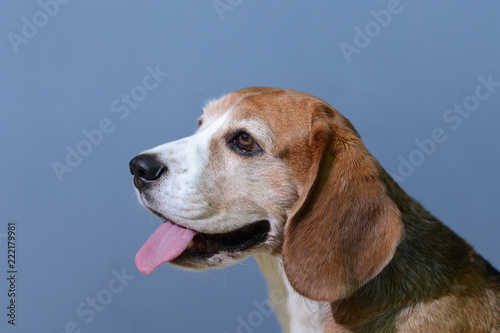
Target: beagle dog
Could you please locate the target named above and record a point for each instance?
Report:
(283, 176)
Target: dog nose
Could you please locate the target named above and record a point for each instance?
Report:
(145, 169)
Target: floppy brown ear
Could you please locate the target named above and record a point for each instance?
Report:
(344, 229)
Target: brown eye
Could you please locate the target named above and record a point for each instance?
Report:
(243, 144)
(245, 141)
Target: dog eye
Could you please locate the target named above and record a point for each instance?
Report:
(244, 144)
(245, 141)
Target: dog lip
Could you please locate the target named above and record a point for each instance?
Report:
(205, 244)
(259, 229)
(158, 214)
(238, 240)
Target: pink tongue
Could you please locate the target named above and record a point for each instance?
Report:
(164, 245)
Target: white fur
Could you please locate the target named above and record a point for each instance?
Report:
(296, 313)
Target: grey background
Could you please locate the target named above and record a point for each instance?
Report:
(74, 235)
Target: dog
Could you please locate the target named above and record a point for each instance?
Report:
(283, 176)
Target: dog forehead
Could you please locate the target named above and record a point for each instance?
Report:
(282, 111)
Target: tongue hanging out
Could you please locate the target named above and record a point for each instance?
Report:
(164, 245)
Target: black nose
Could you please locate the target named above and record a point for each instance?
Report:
(145, 169)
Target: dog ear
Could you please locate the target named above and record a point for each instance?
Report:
(343, 229)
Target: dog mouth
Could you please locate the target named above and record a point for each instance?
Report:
(233, 241)
(171, 241)
(241, 239)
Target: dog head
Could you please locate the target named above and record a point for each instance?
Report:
(270, 171)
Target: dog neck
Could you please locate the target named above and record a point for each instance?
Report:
(295, 312)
